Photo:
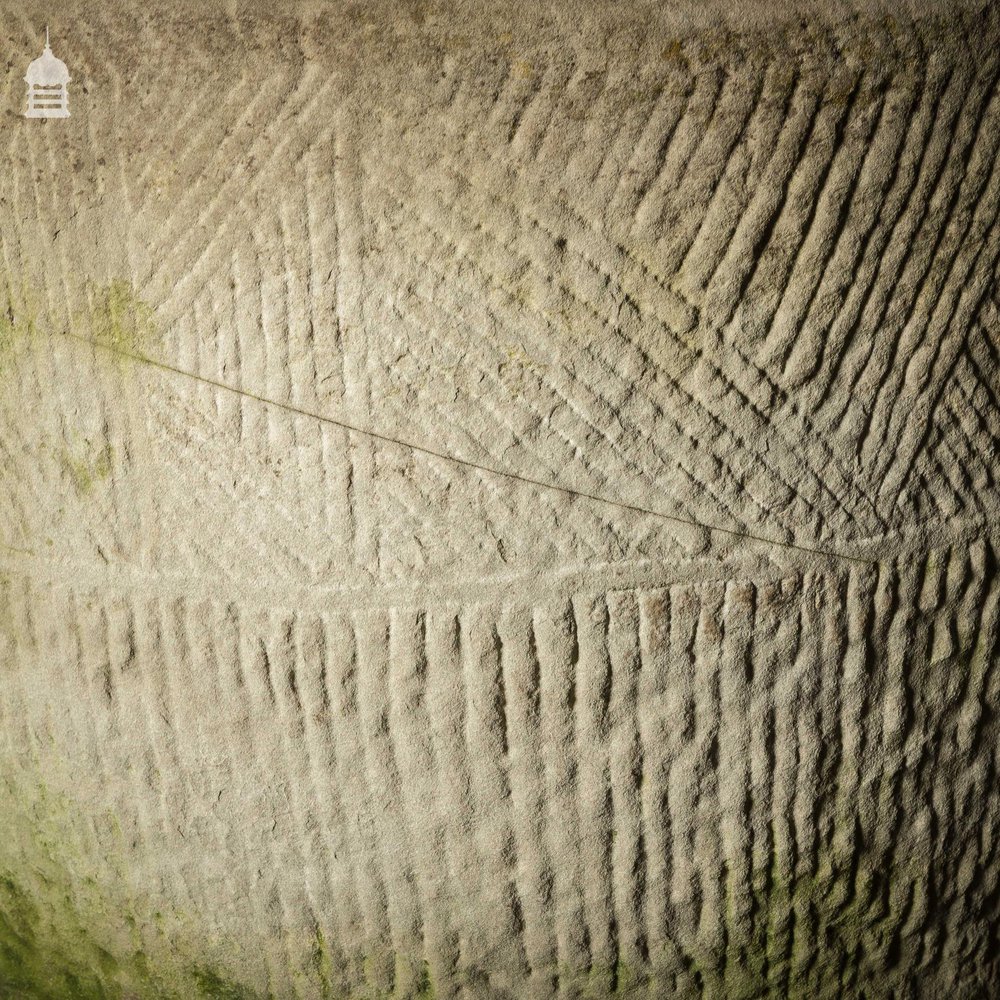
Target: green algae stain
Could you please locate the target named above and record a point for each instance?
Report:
(120, 319)
(68, 929)
(116, 317)
(87, 467)
(47, 952)
(425, 986)
(9, 626)
(18, 324)
(674, 53)
(8, 325)
(214, 987)
(30, 967)
(321, 961)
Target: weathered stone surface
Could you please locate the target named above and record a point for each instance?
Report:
(641, 636)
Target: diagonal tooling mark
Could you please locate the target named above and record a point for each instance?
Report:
(457, 460)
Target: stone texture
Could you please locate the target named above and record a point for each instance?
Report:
(528, 528)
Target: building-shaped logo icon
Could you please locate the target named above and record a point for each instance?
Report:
(47, 78)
